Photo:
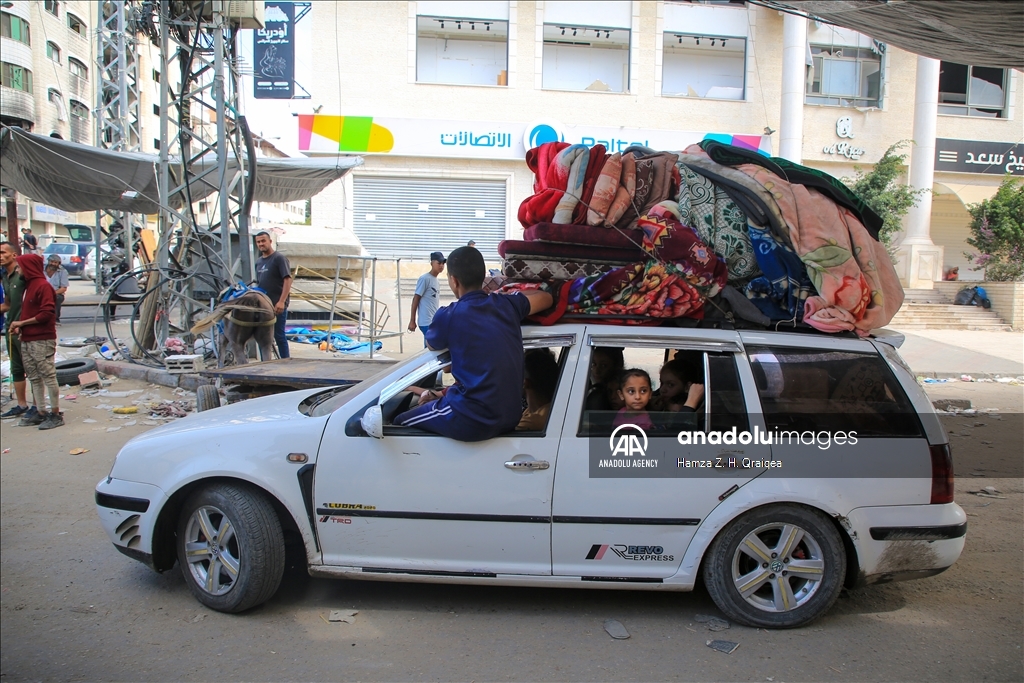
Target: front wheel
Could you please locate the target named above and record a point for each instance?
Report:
(230, 547)
(780, 566)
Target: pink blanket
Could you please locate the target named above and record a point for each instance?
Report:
(857, 285)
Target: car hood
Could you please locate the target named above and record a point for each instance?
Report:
(275, 408)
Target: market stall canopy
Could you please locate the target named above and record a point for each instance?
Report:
(976, 32)
(75, 177)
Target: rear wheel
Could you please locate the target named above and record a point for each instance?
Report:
(207, 397)
(780, 566)
(230, 547)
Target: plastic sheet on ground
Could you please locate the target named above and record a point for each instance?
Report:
(339, 342)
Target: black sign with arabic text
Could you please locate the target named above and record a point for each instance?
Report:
(274, 53)
(976, 156)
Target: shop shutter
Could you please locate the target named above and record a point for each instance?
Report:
(411, 217)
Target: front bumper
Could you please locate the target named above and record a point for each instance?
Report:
(900, 542)
(128, 512)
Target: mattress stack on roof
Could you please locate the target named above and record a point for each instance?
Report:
(644, 236)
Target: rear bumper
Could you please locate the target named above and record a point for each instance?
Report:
(897, 543)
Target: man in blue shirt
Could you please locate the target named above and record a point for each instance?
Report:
(427, 297)
(486, 344)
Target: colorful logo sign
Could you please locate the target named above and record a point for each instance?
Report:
(324, 133)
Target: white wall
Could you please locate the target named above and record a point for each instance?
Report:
(701, 70)
(572, 67)
(476, 62)
(609, 14)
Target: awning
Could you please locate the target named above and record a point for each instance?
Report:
(977, 32)
(968, 194)
(75, 177)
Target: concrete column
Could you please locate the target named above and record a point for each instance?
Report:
(794, 79)
(920, 260)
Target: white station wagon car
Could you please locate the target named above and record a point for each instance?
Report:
(814, 462)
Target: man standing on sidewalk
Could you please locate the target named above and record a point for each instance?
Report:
(58, 279)
(427, 297)
(274, 276)
(38, 331)
(14, 289)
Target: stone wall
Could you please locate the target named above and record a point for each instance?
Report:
(1007, 298)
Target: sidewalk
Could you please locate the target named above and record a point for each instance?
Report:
(952, 353)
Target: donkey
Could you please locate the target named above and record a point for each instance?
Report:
(247, 316)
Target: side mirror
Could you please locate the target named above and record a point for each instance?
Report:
(373, 421)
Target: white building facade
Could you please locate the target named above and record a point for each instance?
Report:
(443, 98)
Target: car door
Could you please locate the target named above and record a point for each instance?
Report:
(635, 522)
(415, 502)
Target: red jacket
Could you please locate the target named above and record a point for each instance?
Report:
(39, 301)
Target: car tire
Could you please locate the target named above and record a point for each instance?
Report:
(207, 397)
(69, 370)
(233, 530)
(750, 565)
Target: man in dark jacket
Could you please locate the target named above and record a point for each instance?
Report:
(37, 330)
(14, 288)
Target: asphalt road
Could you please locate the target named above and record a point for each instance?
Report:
(72, 608)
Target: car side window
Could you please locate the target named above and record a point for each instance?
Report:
(688, 391)
(812, 389)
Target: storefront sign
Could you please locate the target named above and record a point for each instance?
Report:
(326, 134)
(274, 53)
(48, 214)
(844, 129)
(978, 156)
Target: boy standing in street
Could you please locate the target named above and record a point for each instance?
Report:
(273, 276)
(427, 296)
(38, 331)
(482, 334)
(14, 289)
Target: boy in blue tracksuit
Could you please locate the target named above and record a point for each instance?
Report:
(486, 344)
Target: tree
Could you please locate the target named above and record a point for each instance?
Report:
(881, 189)
(997, 232)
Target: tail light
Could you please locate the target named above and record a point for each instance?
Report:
(942, 474)
(76, 259)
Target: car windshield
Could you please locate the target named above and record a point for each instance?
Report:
(61, 249)
(339, 398)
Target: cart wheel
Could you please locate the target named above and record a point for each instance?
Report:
(207, 397)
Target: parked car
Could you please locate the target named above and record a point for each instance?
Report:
(774, 530)
(69, 256)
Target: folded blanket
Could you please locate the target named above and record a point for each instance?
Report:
(854, 277)
(652, 289)
(583, 234)
(605, 187)
(828, 185)
(719, 223)
(575, 158)
(552, 269)
(625, 192)
(644, 177)
(668, 240)
(594, 167)
(782, 289)
(573, 252)
(539, 160)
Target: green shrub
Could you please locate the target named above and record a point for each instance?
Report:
(997, 232)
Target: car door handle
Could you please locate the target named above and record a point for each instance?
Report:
(527, 464)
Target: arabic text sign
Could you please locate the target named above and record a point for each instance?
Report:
(977, 156)
(330, 134)
(274, 53)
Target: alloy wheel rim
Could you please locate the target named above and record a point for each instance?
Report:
(778, 567)
(211, 550)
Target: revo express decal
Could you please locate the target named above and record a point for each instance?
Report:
(634, 553)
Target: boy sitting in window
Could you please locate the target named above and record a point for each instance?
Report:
(486, 344)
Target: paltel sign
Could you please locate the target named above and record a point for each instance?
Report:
(844, 129)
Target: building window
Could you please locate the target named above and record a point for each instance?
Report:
(14, 76)
(704, 66)
(972, 90)
(156, 76)
(76, 24)
(845, 76)
(14, 28)
(58, 101)
(461, 51)
(77, 68)
(52, 52)
(79, 110)
(586, 58)
(52, 6)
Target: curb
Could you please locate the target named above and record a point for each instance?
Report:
(148, 374)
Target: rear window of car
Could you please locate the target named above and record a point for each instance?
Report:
(833, 390)
(62, 249)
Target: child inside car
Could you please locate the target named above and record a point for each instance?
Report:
(680, 390)
(635, 392)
